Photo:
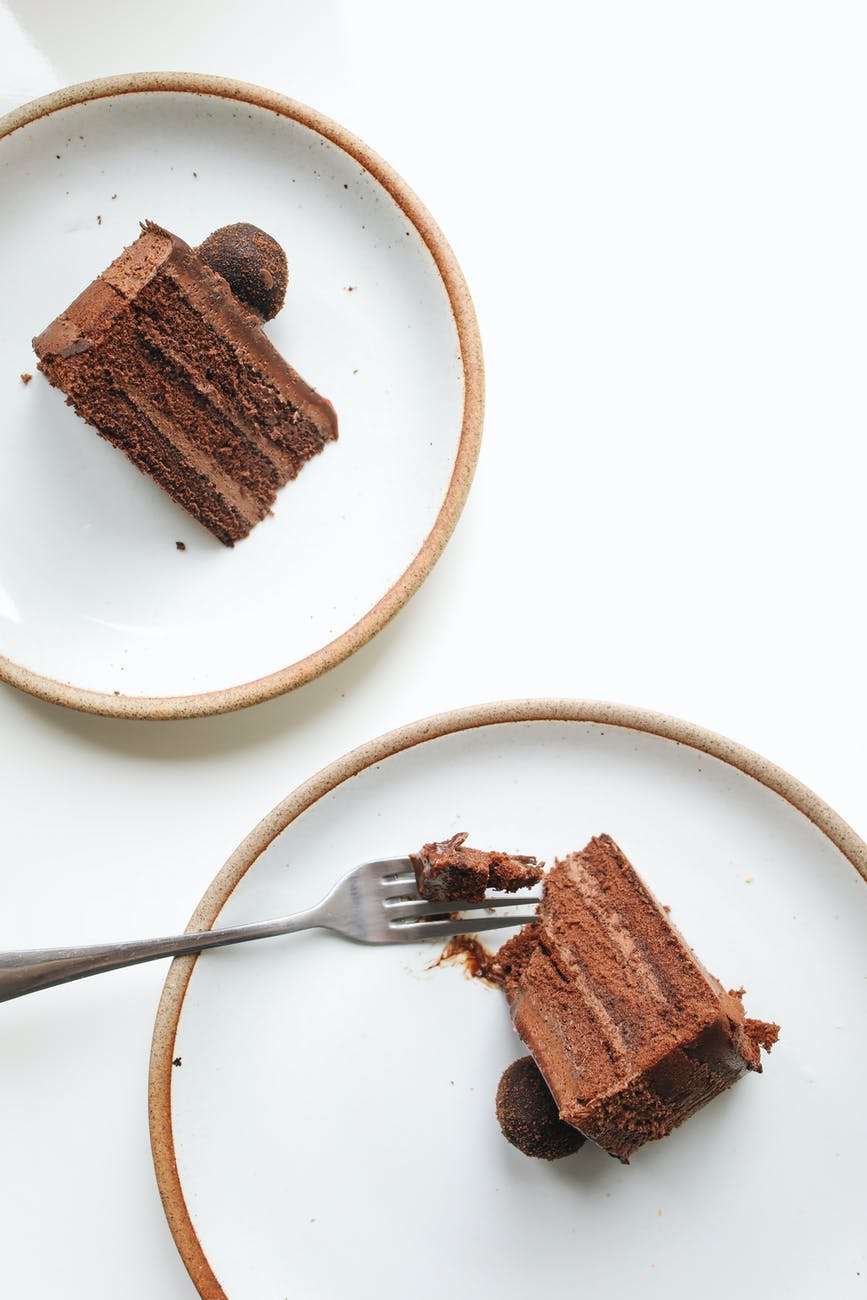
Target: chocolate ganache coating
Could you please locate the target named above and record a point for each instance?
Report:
(253, 264)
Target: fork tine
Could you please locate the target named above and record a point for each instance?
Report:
(409, 931)
(410, 908)
(389, 869)
(402, 886)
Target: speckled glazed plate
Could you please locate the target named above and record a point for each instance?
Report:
(322, 1114)
(99, 607)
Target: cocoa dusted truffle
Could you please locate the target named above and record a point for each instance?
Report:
(528, 1114)
(252, 263)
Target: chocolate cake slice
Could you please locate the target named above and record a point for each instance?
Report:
(168, 364)
(445, 870)
(630, 1032)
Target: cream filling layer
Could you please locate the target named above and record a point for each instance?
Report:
(248, 506)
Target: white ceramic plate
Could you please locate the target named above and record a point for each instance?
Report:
(328, 1127)
(98, 606)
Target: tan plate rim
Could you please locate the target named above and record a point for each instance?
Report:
(334, 652)
(745, 760)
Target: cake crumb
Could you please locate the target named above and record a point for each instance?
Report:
(748, 880)
(177, 1061)
(350, 288)
(98, 219)
(763, 1032)
(196, 174)
(180, 546)
(114, 196)
(25, 377)
(477, 960)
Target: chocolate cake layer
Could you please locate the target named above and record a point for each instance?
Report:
(140, 440)
(161, 357)
(446, 870)
(629, 1030)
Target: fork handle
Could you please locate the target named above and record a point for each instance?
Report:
(41, 968)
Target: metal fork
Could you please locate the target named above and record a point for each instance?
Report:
(378, 902)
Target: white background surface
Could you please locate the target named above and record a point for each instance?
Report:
(660, 211)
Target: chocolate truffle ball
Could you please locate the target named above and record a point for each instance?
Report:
(528, 1114)
(252, 262)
